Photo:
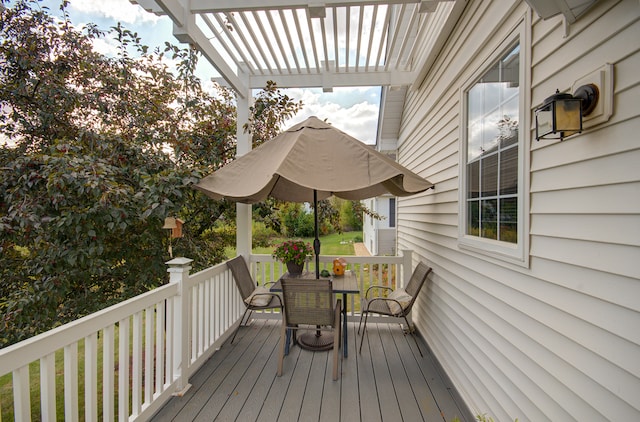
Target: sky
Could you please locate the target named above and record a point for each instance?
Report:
(352, 110)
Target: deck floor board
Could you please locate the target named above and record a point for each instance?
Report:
(387, 381)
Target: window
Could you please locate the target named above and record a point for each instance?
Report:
(491, 197)
(392, 212)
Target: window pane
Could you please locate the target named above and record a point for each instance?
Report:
(509, 220)
(489, 176)
(392, 212)
(489, 219)
(473, 179)
(473, 218)
(509, 171)
(491, 132)
(508, 124)
(474, 141)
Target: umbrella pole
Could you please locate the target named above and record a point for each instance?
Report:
(316, 241)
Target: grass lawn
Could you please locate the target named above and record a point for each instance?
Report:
(6, 389)
(338, 244)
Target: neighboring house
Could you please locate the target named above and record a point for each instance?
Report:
(379, 235)
(539, 317)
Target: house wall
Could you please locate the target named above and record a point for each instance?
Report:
(369, 229)
(555, 337)
(387, 241)
(378, 237)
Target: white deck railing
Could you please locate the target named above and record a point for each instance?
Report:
(125, 362)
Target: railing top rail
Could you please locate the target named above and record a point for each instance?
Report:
(22, 353)
(202, 275)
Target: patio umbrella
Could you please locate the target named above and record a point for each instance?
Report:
(309, 162)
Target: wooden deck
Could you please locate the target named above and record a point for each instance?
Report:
(389, 381)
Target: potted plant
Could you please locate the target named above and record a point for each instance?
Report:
(293, 253)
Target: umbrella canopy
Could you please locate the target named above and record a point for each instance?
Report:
(310, 161)
(311, 155)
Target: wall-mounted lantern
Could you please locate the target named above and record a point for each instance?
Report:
(561, 114)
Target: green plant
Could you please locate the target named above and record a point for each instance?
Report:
(292, 251)
(102, 149)
(261, 234)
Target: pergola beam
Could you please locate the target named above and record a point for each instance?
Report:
(335, 79)
(208, 6)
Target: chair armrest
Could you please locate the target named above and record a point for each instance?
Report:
(366, 294)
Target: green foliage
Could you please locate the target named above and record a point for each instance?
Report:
(102, 150)
(350, 220)
(295, 222)
(269, 111)
(267, 213)
(329, 216)
(261, 234)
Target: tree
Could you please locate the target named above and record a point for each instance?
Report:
(269, 111)
(102, 150)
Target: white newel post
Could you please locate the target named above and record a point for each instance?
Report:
(243, 211)
(179, 273)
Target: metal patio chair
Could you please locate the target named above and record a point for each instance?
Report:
(253, 297)
(309, 304)
(397, 304)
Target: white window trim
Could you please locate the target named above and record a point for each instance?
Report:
(517, 254)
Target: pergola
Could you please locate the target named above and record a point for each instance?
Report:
(332, 43)
(309, 44)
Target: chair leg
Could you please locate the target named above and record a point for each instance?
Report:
(240, 325)
(364, 329)
(412, 334)
(284, 332)
(336, 352)
(287, 343)
(360, 324)
(336, 339)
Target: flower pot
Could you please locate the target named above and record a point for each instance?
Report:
(294, 268)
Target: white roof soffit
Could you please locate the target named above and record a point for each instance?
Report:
(297, 43)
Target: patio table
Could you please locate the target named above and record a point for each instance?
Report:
(344, 284)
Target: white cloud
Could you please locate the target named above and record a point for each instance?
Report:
(358, 119)
(118, 10)
(105, 46)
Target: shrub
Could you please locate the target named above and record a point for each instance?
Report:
(262, 234)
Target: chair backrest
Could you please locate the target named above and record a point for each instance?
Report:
(308, 301)
(418, 278)
(242, 276)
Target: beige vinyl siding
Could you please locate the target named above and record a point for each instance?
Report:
(556, 339)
